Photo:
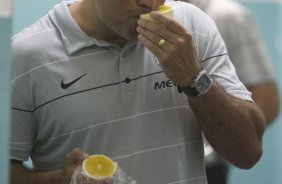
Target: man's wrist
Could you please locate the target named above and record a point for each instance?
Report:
(59, 176)
(200, 85)
(54, 177)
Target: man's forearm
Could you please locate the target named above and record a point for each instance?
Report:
(232, 126)
(21, 175)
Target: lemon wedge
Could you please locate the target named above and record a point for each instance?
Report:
(163, 9)
(99, 167)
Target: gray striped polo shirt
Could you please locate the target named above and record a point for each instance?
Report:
(70, 90)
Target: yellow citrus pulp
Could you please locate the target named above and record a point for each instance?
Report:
(99, 166)
(163, 9)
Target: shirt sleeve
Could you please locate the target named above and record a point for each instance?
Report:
(214, 57)
(22, 127)
(246, 48)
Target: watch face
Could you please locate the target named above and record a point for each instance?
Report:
(203, 83)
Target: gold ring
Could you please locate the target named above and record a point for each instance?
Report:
(161, 43)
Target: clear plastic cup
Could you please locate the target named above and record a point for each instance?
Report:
(120, 177)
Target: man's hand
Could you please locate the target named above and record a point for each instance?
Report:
(72, 161)
(21, 175)
(176, 52)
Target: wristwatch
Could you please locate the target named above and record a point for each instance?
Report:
(200, 85)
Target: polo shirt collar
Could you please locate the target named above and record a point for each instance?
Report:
(73, 37)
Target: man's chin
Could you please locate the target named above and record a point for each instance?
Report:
(131, 36)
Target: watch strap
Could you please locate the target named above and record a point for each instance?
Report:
(189, 91)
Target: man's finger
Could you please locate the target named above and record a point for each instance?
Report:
(169, 23)
(75, 157)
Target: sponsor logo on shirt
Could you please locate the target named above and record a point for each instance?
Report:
(166, 84)
(69, 84)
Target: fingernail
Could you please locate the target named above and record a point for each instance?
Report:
(84, 156)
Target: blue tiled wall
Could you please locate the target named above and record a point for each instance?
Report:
(5, 31)
(27, 13)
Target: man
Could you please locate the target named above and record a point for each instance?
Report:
(91, 77)
(250, 58)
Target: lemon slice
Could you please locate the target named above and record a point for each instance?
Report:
(99, 167)
(163, 9)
